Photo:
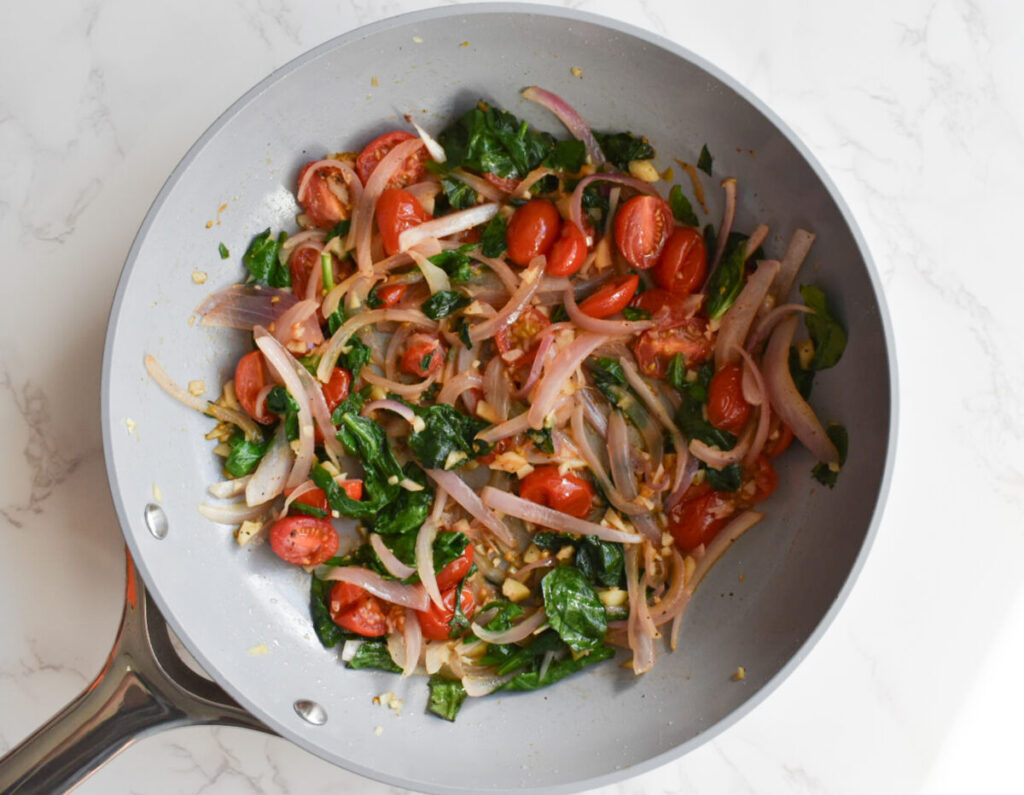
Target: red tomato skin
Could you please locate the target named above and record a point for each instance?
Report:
(727, 410)
(412, 171)
(523, 333)
(418, 347)
(314, 498)
(356, 610)
(667, 310)
(567, 493)
(533, 230)
(506, 184)
(452, 574)
(434, 622)
(304, 540)
(353, 488)
(642, 225)
(250, 378)
(390, 294)
(697, 521)
(398, 210)
(683, 263)
(761, 480)
(300, 265)
(611, 298)
(568, 252)
(775, 447)
(655, 347)
(321, 206)
(337, 388)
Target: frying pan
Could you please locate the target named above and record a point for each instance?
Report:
(243, 614)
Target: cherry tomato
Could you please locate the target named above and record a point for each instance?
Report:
(250, 378)
(642, 225)
(436, 622)
(667, 310)
(761, 480)
(304, 540)
(568, 252)
(314, 498)
(697, 520)
(683, 263)
(412, 171)
(532, 231)
(656, 347)
(612, 297)
(390, 294)
(523, 333)
(452, 574)
(337, 388)
(301, 264)
(506, 184)
(423, 355)
(356, 610)
(726, 407)
(398, 210)
(774, 447)
(567, 493)
(321, 206)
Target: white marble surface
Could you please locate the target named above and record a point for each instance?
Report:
(915, 110)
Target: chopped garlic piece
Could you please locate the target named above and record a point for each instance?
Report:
(740, 675)
(509, 461)
(199, 277)
(644, 169)
(576, 72)
(455, 457)
(486, 411)
(378, 730)
(514, 590)
(532, 554)
(129, 423)
(565, 552)
(158, 495)
(259, 650)
(613, 597)
(196, 387)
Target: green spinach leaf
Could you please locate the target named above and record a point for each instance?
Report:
(727, 280)
(601, 562)
(828, 336)
(448, 433)
(620, 148)
(728, 478)
(803, 379)
(568, 156)
(354, 356)
(460, 195)
(635, 313)
(284, 405)
(492, 241)
(574, 610)
(446, 697)
(705, 160)
(340, 229)
(841, 439)
(261, 260)
(245, 456)
(407, 512)
(558, 670)
(681, 207)
(223, 251)
(374, 654)
(443, 303)
(456, 263)
(329, 633)
(485, 139)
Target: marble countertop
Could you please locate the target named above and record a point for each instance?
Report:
(915, 110)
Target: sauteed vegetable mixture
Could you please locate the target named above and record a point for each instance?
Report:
(507, 402)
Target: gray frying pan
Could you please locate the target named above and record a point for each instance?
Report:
(243, 614)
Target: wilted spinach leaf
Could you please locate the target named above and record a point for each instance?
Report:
(728, 478)
(447, 431)
(245, 455)
(329, 633)
(705, 160)
(681, 207)
(828, 336)
(284, 405)
(340, 229)
(446, 696)
(492, 241)
(443, 303)
(407, 512)
(374, 654)
(574, 610)
(489, 140)
(620, 148)
(558, 670)
(261, 259)
(355, 355)
(601, 562)
(456, 263)
(568, 156)
(727, 280)
(841, 439)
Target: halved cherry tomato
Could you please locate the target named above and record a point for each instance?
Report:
(250, 378)
(507, 184)
(697, 520)
(642, 225)
(452, 574)
(568, 252)
(656, 347)
(436, 623)
(761, 480)
(398, 210)
(355, 609)
(321, 206)
(412, 171)
(683, 263)
(523, 333)
(390, 294)
(314, 498)
(423, 355)
(612, 297)
(567, 493)
(774, 447)
(727, 409)
(301, 264)
(304, 540)
(532, 231)
(667, 310)
(337, 388)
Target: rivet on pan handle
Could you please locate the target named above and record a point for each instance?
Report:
(143, 687)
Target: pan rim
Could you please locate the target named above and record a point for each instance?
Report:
(479, 9)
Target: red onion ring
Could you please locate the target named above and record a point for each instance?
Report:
(394, 566)
(736, 321)
(728, 214)
(389, 590)
(623, 503)
(395, 386)
(294, 328)
(479, 184)
(769, 321)
(496, 388)
(512, 505)
(613, 328)
(725, 538)
(572, 120)
(516, 305)
(446, 225)
(796, 252)
(362, 217)
(764, 414)
(400, 409)
(514, 634)
(464, 381)
(557, 375)
(243, 306)
(460, 491)
(330, 355)
(540, 563)
(425, 561)
(232, 513)
(268, 480)
(412, 635)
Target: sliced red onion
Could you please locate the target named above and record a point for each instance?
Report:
(330, 355)
(446, 225)
(529, 568)
(641, 640)
(479, 184)
(725, 538)
(496, 389)
(516, 305)
(362, 217)
(769, 321)
(796, 252)
(394, 566)
(676, 597)
(412, 635)
(232, 513)
(222, 413)
(572, 120)
(595, 416)
(437, 279)
(764, 417)
(435, 150)
(333, 298)
(505, 274)
(459, 491)
(736, 321)
(477, 687)
(243, 306)
(425, 561)
(692, 465)
(425, 193)
(398, 388)
(719, 459)
(514, 634)
(469, 379)
(558, 373)
(624, 503)
(298, 328)
(268, 479)
(440, 501)
(400, 409)
(539, 360)
(657, 408)
(296, 241)
(389, 590)
(522, 190)
(619, 457)
(728, 214)
(548, 517)
(613, 328)
(518, 424)
(226, 489)
(786, 400)
(576, 203)
(280, 360)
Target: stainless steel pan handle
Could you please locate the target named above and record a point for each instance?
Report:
(143, 687)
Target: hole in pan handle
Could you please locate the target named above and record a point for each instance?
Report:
(143, 687)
